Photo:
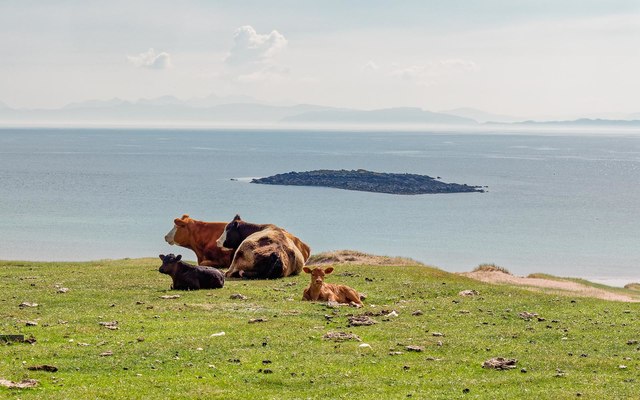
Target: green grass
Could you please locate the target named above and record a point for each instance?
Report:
(164, 349)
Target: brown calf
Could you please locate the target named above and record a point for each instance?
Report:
(318, 290)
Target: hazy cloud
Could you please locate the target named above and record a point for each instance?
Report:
(430, 73)
(269, 73)
(152, 60)
(251, 47)
(370, 66)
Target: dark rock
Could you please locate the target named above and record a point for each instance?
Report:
(368, 181)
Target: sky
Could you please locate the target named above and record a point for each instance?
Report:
(542, 58)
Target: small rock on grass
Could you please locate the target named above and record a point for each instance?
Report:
(27, 304)
(469, 292)
(238, 296)
(361, 320)
(47, 368)
(113, 325)
(170, 296)
(500, 363)
(23, 384)
(106, 354)
(31, 323)
(254, 320)
(417, 349)
(527, 315)
(341, 336)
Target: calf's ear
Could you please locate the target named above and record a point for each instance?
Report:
(179, 257)
(237, 217)
(161, 257)
(306, 270)
(328, 270)
(179, 222)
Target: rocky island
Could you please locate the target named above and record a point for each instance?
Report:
(368, 181)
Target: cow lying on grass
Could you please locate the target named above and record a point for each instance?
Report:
(262, 251)
(200, 237)
(189, 277)
(318, 290)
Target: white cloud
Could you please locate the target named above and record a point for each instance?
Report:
(152, 60)
(251, 47)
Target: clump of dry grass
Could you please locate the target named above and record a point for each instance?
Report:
(491, 268)
(632, 286)
(357, 257)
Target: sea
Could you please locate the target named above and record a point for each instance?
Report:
(563, 204)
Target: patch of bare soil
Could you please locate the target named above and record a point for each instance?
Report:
(563, 287)
(357, 257)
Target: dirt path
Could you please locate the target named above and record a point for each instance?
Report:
(561, 287)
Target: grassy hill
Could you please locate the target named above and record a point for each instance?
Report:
(173, 348)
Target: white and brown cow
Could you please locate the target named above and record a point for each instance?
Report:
(262, 251)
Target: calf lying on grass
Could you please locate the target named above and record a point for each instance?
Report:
(189, 277)
(318, 290)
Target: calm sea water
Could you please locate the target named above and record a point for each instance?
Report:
(566, 205)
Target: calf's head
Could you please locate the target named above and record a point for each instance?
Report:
(231, 236)
(179, 234)
(317, 274)
(169, 263)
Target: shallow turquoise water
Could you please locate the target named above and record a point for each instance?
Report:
(566, 205)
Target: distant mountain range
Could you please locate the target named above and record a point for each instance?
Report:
(404, 115)
(481, 116)
(245, 110)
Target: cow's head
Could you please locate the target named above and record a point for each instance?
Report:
(231, 237)
(169, 263)
(317, 274)
(179, 234)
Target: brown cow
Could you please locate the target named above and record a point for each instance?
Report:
(200, 237)
(262, 251)
(190, 277)
(318, 290)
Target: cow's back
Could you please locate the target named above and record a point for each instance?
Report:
(260, 245)
(210, 278)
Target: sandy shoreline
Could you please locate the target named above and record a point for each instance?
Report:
(562, 287)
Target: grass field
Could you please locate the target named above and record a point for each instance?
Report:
(164, 348)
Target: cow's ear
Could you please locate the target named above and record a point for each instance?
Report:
(237, 217)
(179, 222)
(306, 270)
(234, 224)
(185, 216)
(179, 257)
(328, 270)
(161, 257)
